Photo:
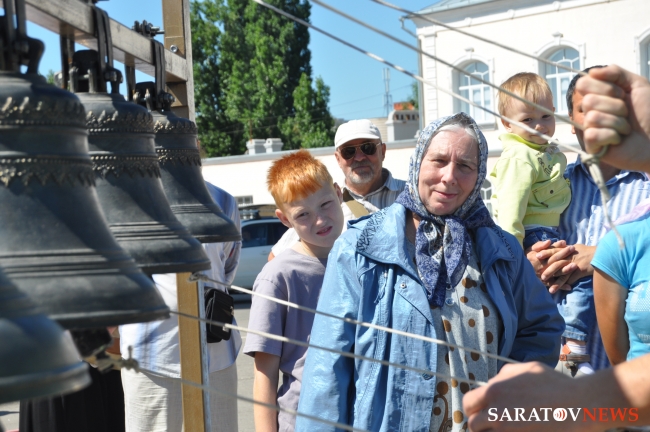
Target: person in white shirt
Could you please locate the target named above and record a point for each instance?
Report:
(155, 405)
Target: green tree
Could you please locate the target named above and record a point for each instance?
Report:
(50, 77)
(311, 125)
(414, 97)
(252, 77)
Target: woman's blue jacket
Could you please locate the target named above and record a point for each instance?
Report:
(370, 278)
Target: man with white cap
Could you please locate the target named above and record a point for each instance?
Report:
(369, 187)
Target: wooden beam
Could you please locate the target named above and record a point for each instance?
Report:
(73, 18)
(176, 16)
(190, 348)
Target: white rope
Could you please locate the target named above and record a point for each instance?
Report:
(591, 160)
(456, 68)
(201, 276)
(351, 355)
(131, 363)
(482, 39)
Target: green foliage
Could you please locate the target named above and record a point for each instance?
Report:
(414, 97)
(311, 124)
(50, 77)
(252, 76)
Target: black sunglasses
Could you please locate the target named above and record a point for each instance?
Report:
(368, 148)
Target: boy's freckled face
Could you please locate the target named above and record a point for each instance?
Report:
(317, 219)
(532, 117)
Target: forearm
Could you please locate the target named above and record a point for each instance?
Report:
(609, 301)
(265, 387)
(624, 386)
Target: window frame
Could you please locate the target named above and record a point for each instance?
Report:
(550, 48)
(465, 61)
(642, 46)
(559, 94)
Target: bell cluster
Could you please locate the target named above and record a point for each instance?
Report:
(94, 199)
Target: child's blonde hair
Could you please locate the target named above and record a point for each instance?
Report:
(527, 85)
(296, 176)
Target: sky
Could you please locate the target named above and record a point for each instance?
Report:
(355, 80)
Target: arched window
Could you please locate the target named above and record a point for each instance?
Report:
(471, 88)
(559, 78)
(486, 196)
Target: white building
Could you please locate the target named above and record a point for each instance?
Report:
(579, 33)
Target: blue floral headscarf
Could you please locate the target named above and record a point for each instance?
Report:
(443, 243)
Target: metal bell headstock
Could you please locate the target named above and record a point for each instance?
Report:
(54, 242)
(126, 166)
(180, 162)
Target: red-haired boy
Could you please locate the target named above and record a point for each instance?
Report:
(307, 201)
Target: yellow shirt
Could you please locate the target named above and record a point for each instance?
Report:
(530, 185)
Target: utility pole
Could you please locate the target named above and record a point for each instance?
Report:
(388, 100)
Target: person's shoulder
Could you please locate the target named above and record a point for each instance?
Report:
(288, 263)
(221, 197)
(514, 150)
(632, 231)
(494, 240)
(393, 183)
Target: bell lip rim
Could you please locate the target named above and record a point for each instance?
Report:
(217, 238)
(163, 268)
(42, 384)
(104, 318)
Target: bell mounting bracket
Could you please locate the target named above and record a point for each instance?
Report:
(150, 94)
(16, 48)
(96, 67)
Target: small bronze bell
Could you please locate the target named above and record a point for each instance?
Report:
(126, 166)
(54, 242)
(36, 358)
(180, 164)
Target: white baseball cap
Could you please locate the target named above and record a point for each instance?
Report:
(355, 129)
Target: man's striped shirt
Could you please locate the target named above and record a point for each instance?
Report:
(583, 222)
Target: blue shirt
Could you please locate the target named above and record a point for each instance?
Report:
(583, 222)
(630, 268)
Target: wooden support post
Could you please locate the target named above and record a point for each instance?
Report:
(176, 16)
(190, 347)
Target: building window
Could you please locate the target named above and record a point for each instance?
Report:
(471, 88)
(486, 196)
(243, 200)
(559, 78)
(645, 58)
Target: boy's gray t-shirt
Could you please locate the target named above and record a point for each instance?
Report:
(296, 278)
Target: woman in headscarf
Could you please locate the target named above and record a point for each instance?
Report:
(433, 264)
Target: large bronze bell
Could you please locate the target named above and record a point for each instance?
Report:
(180, 164)
(126, 166)
(54, 242)
(36, 358)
